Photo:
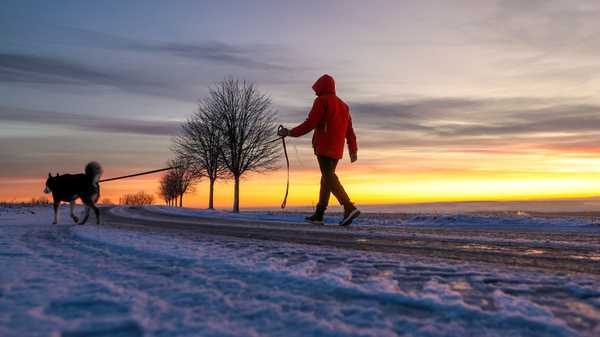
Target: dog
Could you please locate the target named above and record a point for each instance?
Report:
(69, 187)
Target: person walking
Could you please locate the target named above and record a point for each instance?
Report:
(331, 120)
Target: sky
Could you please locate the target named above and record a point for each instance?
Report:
(451, 100)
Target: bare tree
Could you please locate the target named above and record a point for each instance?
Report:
(167, 188)
(162, 189)
(244, 117)
(140, 198)
(184, 177)
(199, 143)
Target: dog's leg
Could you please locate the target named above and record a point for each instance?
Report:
(86, 216)
(55, 206)
(96, 213)
(92, 204)
(87, 201)
(73, 216)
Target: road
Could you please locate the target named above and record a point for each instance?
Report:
(558, 249)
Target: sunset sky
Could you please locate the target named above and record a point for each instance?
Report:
(451, 100)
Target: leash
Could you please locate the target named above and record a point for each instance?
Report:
(287, 161)
(276, 139)
(139, 174)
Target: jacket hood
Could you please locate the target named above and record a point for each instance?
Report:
(324, 85)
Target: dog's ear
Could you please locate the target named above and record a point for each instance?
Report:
(57, 174)
(49, 175)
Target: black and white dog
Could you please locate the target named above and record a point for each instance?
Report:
(69, 187)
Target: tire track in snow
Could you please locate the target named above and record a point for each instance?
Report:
(457, 244)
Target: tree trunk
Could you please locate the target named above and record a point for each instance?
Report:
(211, 193)
(181, 200)
(236, 194)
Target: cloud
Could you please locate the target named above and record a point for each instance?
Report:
(136, 66)
(546, 26)
(479, 116)
(34, 156)
(35, 69)
(411, 115)
(246, 56)
(555, 119)
(550, 40)
(91, 123)
(42, 69)
(472, 124)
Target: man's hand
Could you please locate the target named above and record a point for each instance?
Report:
(283, 132)
(353, 157)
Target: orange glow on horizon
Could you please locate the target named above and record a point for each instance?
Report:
(364, 188)
(383, 177)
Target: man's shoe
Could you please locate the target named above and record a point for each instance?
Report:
(317, 218)
(350, 214)
(314, 219)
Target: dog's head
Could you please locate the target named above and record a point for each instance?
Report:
(50, 183)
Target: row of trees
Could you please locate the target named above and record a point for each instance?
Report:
(230, 134)
(177, 182)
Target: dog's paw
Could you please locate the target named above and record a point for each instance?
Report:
(54, 222)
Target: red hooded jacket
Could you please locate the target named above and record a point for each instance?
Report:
(330, 118)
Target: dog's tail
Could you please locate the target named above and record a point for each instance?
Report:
(94, 171)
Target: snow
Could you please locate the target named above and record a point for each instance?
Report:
(517, 220)
(70, 280)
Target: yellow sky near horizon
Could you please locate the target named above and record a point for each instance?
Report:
(414, 178)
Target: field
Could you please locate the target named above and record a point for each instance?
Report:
(160, 271)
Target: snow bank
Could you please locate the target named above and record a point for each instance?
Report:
(501, 220)
(522, 220)
(321, 290)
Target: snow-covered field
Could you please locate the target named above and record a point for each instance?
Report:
(516, 220)
(108, 281)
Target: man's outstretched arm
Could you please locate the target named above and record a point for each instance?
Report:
(314, 117)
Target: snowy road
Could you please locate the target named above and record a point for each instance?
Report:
(142, 274)
(559, 248)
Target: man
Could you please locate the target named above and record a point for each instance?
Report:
(330, 118)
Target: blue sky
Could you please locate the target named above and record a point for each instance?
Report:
(111, 80)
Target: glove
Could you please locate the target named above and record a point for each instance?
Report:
(283, 132)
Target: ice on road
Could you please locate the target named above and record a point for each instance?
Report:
(104, 281)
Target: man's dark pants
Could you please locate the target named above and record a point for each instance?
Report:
(330, 184)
